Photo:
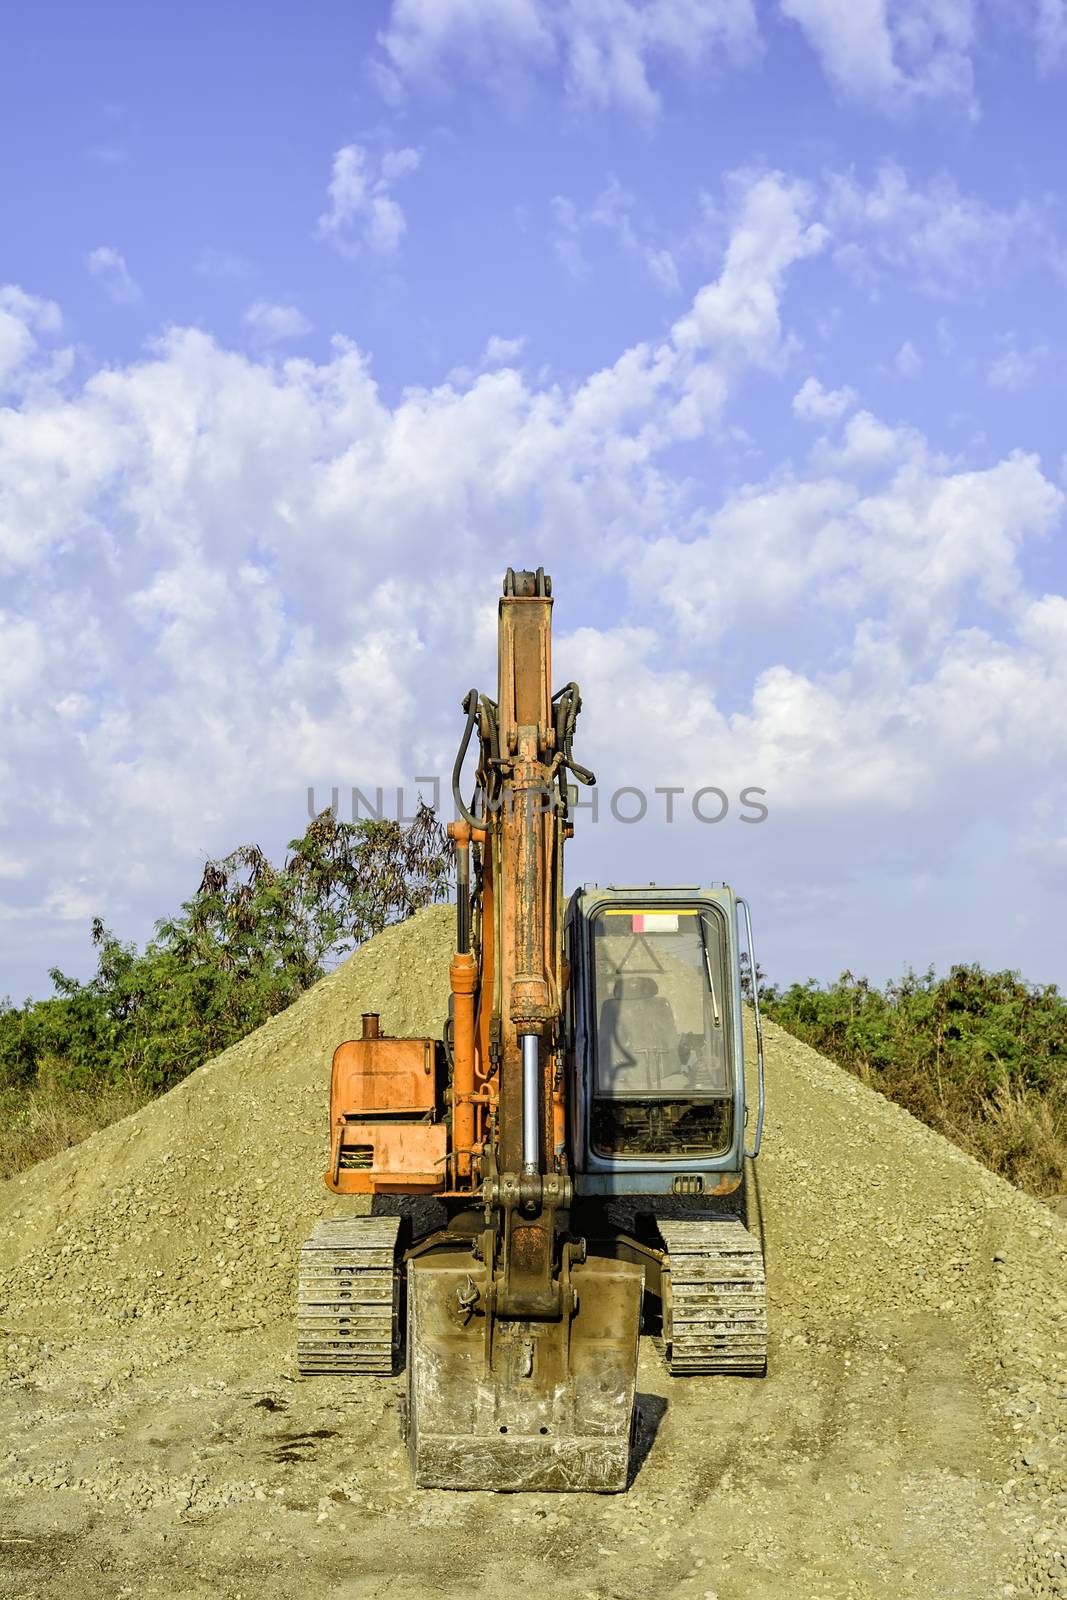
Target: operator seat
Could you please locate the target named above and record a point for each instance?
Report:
(637, 1038)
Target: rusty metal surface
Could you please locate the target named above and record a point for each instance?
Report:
(387, 1157)
(382, 1075)
(498, 1403)
(372, 1149)
(463, 977)
(524, 667)
(347, 1296)
(714, 1298)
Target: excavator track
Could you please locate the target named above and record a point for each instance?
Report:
(348, 1292)
(714, 1298)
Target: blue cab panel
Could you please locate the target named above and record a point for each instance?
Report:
(654, 1021)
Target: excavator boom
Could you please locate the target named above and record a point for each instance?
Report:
(522, 1354)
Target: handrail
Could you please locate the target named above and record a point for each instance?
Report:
(743, 906)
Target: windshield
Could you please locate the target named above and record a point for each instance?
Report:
(659, 982)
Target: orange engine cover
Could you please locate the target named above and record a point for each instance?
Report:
(383, 1095)
(388, 1157)
(382, 1075)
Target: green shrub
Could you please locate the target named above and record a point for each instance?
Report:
(981, 1056)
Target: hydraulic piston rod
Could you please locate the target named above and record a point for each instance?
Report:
(531, 1104)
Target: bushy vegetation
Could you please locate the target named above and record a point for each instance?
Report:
(39, 1120)
(980, 1056)
(250, 940)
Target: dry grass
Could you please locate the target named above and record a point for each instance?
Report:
(1022, 1135)
(1019, 1133)
(38, 1122)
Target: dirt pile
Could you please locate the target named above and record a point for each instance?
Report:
(191, 1209)
(910, 1439)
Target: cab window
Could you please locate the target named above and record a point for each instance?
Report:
(661, 1078)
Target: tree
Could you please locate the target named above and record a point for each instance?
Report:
(342, 883)
(252, 938)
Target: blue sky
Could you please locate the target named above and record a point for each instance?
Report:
(746, 320)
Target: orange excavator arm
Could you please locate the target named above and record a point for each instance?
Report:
(517, 992)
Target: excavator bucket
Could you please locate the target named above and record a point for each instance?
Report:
(509, 1405)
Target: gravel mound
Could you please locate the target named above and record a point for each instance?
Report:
(911, 1439)
(192, 1208)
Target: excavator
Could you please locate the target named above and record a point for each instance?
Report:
(579, 1128)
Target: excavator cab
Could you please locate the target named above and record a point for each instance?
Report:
(654, 1015)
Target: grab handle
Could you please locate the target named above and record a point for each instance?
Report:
(743, 906)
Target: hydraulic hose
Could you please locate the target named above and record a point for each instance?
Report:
(470, 705)
(567, 703)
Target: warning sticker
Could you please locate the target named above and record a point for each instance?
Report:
(655, 921)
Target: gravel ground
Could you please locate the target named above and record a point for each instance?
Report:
(909, 1441)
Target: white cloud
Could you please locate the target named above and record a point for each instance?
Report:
(608, 49)
(907, 363)
(879, 526)
(422, 34)
(661, 265)
(108, 155)
(251, 599)
(613, 212)
(568, 237)
(213, 263)
(1050, 29)
(813, 403)
(362, 210)
(273, 324)
(24, 319)
(890, 56)
(498, 352)
(882, 769)
(501, 352)
(867, 444)
(1016, 369)
(109, 266)
(894, 735)
(946, 241)
(681, 384)
(605, 52)
(71, 902)
(892, 53)
(771, 233)
(133, 444)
